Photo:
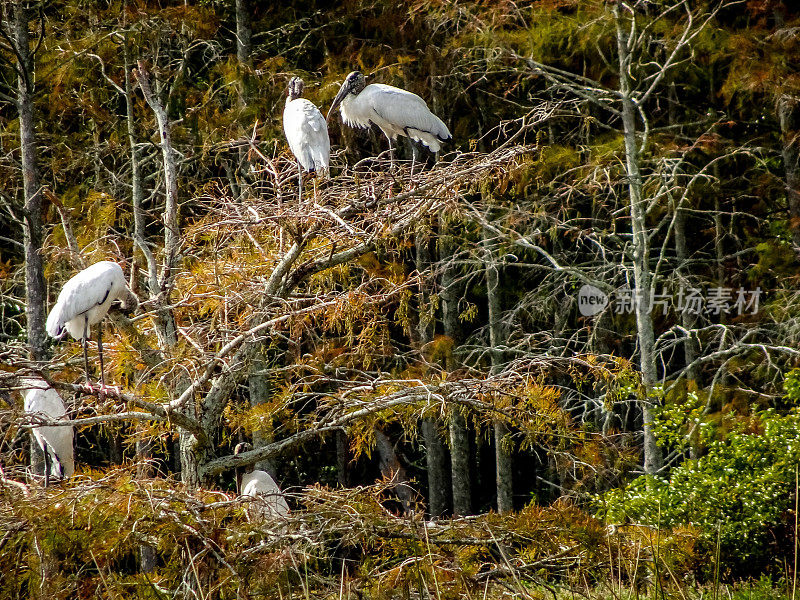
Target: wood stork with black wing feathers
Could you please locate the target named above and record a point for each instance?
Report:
(84, 301)
(306, 131)
(43, 401)
(395, 111)
(268, 501)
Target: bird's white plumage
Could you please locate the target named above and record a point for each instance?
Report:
(85, 299)
(55, 441)
(307, 133)
(268, 500)
(396, 112)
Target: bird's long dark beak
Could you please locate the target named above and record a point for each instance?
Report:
(343, 91)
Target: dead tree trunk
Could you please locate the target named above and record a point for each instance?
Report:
(641, 250)
(137, 183)
(164, 322)
(35, 289)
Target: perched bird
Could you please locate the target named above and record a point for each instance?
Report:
(84, 301)
(306, 131)
(268, 502)
(55, 441)
(394, 111)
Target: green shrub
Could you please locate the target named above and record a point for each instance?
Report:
(741, 492)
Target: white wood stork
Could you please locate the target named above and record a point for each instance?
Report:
(268, 501)
(55, 441)
(393, 110)
(84, 301)
(306, 131)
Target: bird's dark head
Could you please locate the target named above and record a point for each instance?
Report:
(295, 89)
(129, 301)
(242, 447)
(354, 83)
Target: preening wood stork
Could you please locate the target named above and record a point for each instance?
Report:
(306, 131)
(268, 501)
(393, 110)
(84, 301)
(55, 441)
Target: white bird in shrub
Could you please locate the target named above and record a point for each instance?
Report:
(84, 301)
(306, 131)
(395, 111)
(267, 499)
(43, 401)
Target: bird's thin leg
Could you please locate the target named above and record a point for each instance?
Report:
(46, 465)
(85, 351)
(100, 353)
(391, 154)
(299, 183)
(59, 467)
(413, 158)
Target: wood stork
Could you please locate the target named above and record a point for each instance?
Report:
(84, 301)
(43, 401)
(268, 501)
(393, 110)
(306, 131)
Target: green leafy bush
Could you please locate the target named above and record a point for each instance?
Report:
(741, 492)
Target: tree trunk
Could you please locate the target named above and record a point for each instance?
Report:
(641, 253)
(137, 184)
(503, 463)
(690, 345)
(35, 289)
(147, 554)
(342, 459)
(459, 434)
(165, 326)
(690, 348)
(393, 470)
(172, 234)
(438, 474)
(789, 117)
(435, 449)
(260, 389)
(244, 49)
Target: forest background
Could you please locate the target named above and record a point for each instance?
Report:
(408, 352)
